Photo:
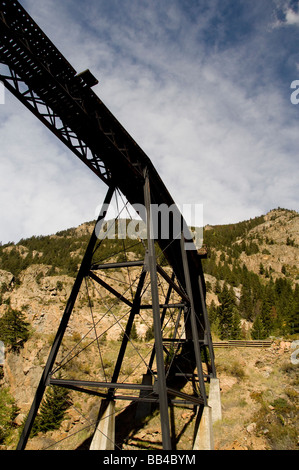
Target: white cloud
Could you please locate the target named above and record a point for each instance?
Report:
(292, 17)
(285, 13)
(43, 189)
(213, 123)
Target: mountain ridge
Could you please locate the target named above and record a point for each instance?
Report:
(254, 262)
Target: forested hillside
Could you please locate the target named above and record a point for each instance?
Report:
(252, 270)
(258, 262)
(252, 280)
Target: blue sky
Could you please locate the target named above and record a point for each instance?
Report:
(203, 86)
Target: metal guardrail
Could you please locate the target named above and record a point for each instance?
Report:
(243, 344)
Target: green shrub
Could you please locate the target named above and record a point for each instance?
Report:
(149, 334)
(52, 411)
(14, 330)
(8, 412)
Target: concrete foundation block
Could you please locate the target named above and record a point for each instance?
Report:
(104, 435)
(204, 439)
(214, 400)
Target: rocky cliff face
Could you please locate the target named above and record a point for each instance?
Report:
(278, 239)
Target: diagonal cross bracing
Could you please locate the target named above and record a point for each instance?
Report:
(37, 74)
(61, 99)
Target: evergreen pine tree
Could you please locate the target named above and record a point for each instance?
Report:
(149, 334)
(294, 315)
(134, 334)
(258, 330)
(246, 303)
(266, 313)
(14, 330)
(236, 325)
(262, 269)
(212, 312)
(217, 287)
(52, 410)
(225, 312)
(8, 412)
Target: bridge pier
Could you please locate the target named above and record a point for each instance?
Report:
(214, 400)
(104, 435)
(204, 439)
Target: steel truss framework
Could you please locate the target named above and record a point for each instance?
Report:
(35, 72)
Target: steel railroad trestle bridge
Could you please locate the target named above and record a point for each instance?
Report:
(181, 361)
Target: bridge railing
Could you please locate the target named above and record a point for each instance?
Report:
(243, 344)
